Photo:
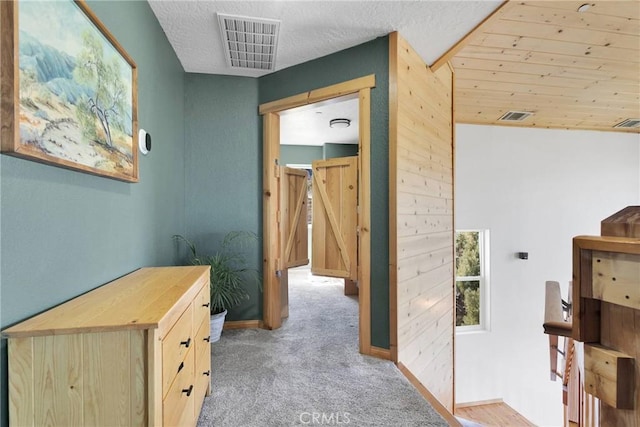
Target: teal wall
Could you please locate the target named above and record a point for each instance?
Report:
(368, 58)
(224, 158)
(64, 232)
(300, 154)
(305, 154)
(223, 165)
(332, 150)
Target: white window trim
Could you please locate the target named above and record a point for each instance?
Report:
(484, 279)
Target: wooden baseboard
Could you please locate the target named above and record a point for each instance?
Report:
(439, 407)
(350, 287)
(242, 324)
(380, 353)
(478, 403)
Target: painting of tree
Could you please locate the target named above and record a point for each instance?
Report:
(108, 102)
(76, 91)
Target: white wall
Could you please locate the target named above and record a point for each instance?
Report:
(534, 189)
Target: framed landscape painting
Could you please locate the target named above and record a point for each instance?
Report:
(69, 90)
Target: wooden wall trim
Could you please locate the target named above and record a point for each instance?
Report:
(453, 207)
(242, 324)
(364, 221)
(453, 71)
(380, 353)
(478, 403)
(270, 204)
(10, 99)
(439, 407)
(589, 128)
(360, 87)
(393, 195)
(321, 94)
(465, 40)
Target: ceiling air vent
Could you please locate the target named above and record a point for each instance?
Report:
(249, 42)
(629, 123)
(515, 116)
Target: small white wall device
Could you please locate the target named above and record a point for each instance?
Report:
(144, 142)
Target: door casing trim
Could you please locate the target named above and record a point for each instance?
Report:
(360, 87)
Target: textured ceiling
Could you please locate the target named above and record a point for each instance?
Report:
(573, 70)
(312, 29)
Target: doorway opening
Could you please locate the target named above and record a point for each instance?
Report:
(277, 246)
(310, 136)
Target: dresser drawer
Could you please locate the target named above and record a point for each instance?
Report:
(175, 346)
(138, 371)
(203, 364)
(203, 337)
(178, 406)
(201, 306)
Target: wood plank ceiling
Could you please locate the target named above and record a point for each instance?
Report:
(573, 70)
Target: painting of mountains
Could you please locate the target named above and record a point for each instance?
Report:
(76, 103)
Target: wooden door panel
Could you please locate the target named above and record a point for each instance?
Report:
(335, 218)
(294, 205)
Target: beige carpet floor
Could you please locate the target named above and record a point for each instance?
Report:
(309, 372)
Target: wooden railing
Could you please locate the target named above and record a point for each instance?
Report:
(581, 409)
(605, 302)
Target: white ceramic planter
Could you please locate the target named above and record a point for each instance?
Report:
(217, 322)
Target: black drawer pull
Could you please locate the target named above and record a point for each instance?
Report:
(188, 390)
(181, 366)
(186, 343)
(207, 373)
(205, 305)
(207, 339)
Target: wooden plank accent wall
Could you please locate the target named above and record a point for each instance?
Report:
(421, 219)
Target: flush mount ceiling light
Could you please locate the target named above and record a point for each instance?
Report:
(584, 7)
(249, 43)
(339, 123)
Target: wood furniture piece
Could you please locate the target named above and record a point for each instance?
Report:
(606, 280)
(132, 352)
(625, 223)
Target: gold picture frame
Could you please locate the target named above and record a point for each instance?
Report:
(69, 90)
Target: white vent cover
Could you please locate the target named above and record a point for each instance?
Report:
(629, 123)
(249, 42)
(515, 116)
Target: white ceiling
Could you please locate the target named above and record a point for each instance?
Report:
(309, 125)
(312, 29)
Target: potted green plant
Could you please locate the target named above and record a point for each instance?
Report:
(229, 274)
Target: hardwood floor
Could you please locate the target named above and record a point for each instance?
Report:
(493, 414)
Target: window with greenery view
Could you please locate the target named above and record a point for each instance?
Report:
(471, 280)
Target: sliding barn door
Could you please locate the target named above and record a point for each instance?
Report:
(335, 218)
(294, 199)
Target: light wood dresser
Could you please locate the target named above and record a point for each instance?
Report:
(132, 352)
